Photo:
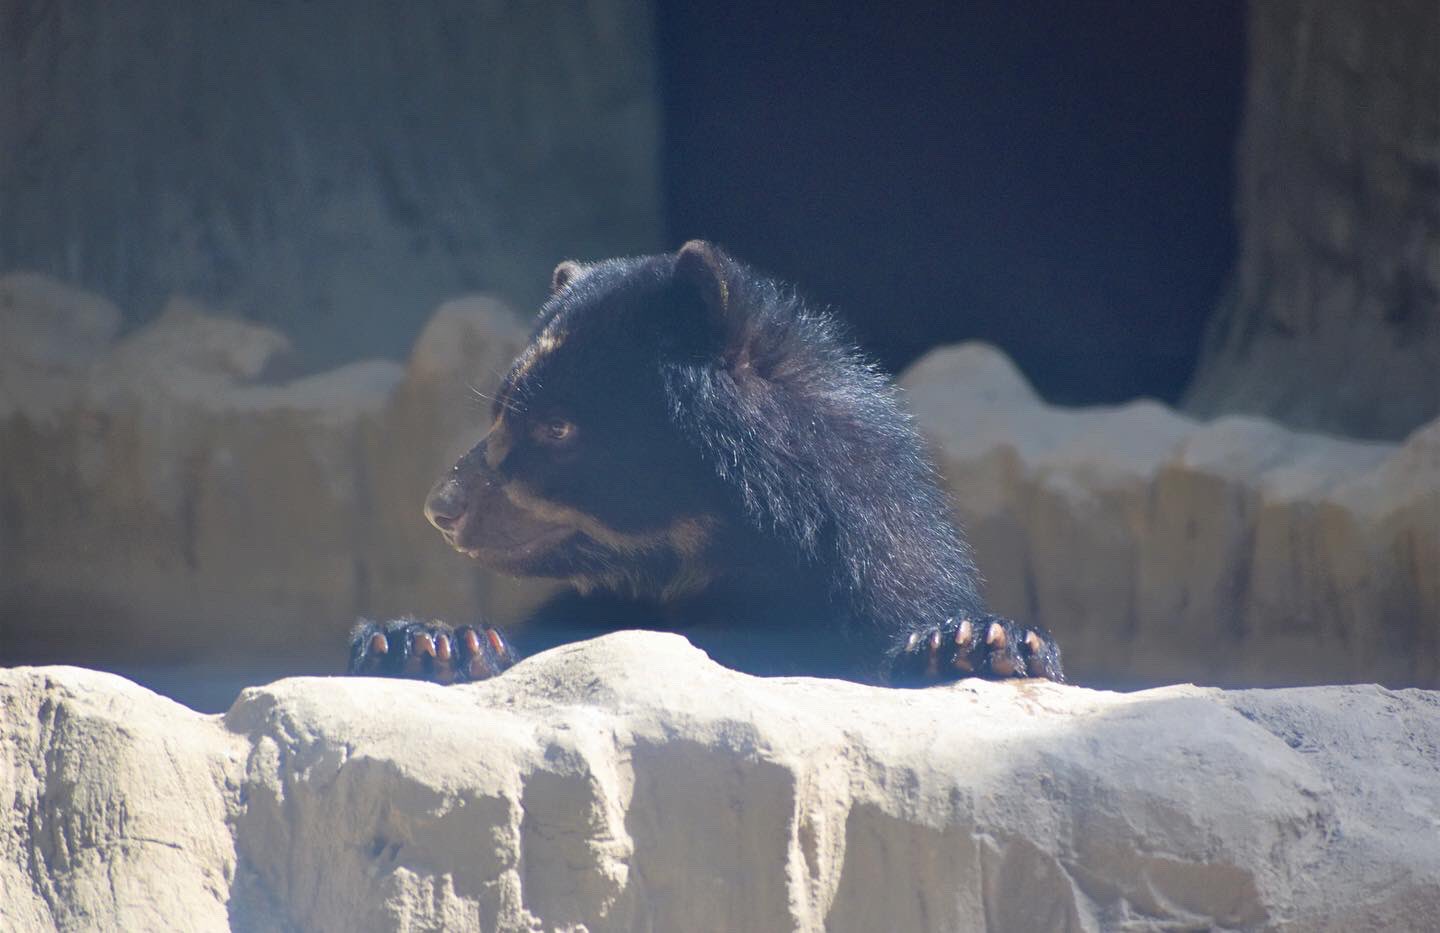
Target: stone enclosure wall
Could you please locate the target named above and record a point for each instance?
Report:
(181, 495)
(1332, 321)
(341, 167)
(628, 783)
(168, 498)
(163, 498)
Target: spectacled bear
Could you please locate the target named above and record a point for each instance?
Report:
(691, 448)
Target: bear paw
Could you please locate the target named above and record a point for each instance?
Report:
(429, 651)
(982, 646)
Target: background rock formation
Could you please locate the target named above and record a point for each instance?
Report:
(174, 497)
(173, 506)
(1162, 548)
(339, 167)
(1333, 317)
(174, 492)
(629, 783)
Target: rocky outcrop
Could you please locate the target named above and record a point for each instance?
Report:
(1161, 548)
(176, 496)
(629, 783)
(1333, 317)
(341, 169)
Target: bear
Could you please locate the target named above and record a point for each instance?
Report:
(691, 447)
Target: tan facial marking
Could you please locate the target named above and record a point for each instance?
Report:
(544, 344)
(690, 535)
(690, 579)
(687, 537)
(498, 442)
(555, 513)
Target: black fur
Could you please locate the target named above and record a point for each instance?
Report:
(813, 535)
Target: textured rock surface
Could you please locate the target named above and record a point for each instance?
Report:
(119, 806)
(173, 495)
(1333, 321)
(629, 783)
(49, 333)
(340, 168)
(1160, 548)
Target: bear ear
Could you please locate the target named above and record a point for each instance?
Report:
(701, 266)
(565, 273)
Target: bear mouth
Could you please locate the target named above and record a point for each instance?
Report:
(513, 553)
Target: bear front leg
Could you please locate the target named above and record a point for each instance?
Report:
(979, 646)
(431, 650)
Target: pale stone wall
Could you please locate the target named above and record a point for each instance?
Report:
(1333, 318)
(165, 498)
(630, 783)
(1161, 548)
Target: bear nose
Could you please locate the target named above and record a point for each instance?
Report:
(445, 506)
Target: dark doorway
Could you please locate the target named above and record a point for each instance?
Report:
(1053, 177)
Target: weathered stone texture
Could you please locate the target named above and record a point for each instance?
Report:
(1161, 548)
(629, 783)
(1333, 318)
(173, 496)
(334, 168)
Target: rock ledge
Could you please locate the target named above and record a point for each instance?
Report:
(630, 783)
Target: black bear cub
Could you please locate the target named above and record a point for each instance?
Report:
(691, 448)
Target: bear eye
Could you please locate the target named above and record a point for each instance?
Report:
(556, 431)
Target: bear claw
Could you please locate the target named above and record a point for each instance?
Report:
(993, 647)
(429, 651)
